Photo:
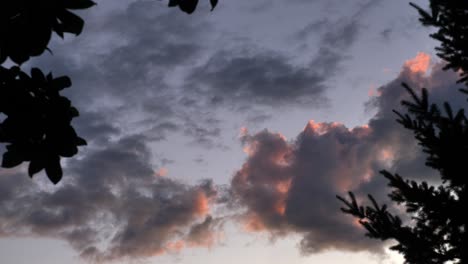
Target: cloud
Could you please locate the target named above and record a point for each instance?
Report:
(265, 78)
(204, 135)
(116, 205)
(94, 127)
(112, 205)
(205, 234)
(130, 66)
(335, 37)
(289, 186)
(123, 68)
(419, 64)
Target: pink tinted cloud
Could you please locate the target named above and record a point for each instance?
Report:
(162, 172)
(419, 64)
(114, 209)
(289, 186)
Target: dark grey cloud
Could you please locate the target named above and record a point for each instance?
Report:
(258, 118)
(386, 33)
(289, 186)
(207, 233)
(160, 130)
(336, 36)
(341, 35)
(316, 27)
(112, 205)
(123, 64)
(126, 52)
(202, 135)
(270, 78)
(94, 127)
(264, 78)
(129, 64)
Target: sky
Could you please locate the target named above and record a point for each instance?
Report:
(225, 136)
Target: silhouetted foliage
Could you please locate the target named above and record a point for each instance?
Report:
(437, 232)
(37, 127)
(189, 6)
(26, 25)
(450, 18)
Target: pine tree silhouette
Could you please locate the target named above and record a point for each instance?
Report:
(438, 232)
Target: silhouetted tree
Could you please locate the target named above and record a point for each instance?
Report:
(450, 18)
(37, 127)
(437, 232)
(189, 6)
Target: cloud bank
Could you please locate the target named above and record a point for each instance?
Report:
(289, 186)
(140, 67)
(116, 206)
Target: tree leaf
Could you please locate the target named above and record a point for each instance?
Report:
(79, 4)
(11, 159)
(74, 112)
(3, 55)
(68, 150)
(71, 23)
(54, 170)
(80, 142)
(37, 75)
(173, 3)
(213, 4)
(35, 166)
(188, 6)
(61, 83)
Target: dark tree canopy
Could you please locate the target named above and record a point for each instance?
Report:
(189, 6)
(38, 124)
(450, 18)
(438, 232)
(37, 127)
(26, 26)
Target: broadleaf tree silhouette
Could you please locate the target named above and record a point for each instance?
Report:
(37, 127)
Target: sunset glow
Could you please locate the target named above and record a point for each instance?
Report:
(219, 136)
(420, 63)
(202, 204)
